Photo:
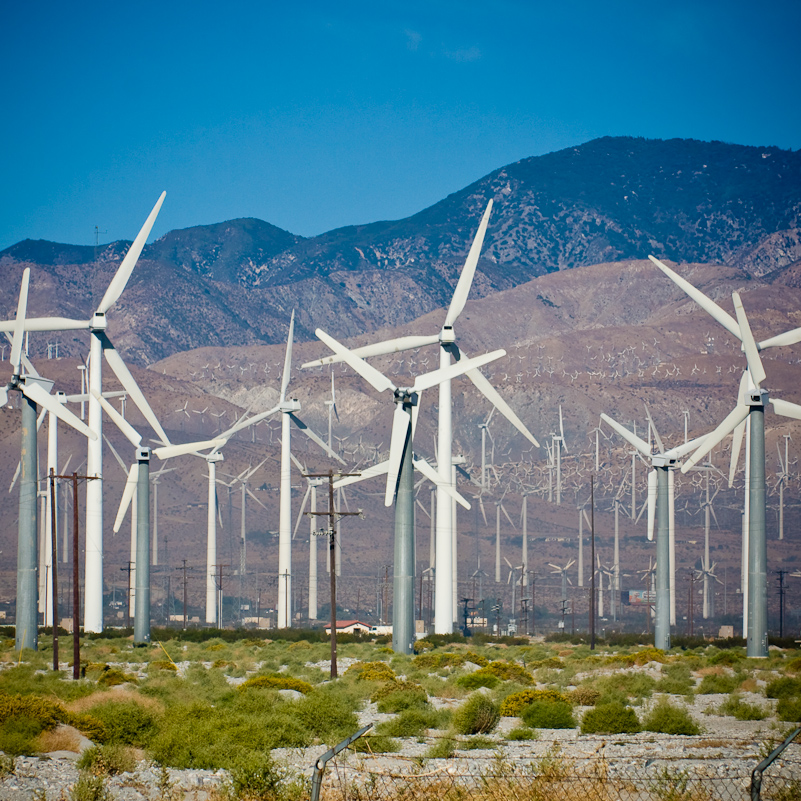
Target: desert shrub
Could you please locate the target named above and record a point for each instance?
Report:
(432, 660)
(513, 705)
(410, 723)
(162, 664)
(257, 777)
(583, 696)
(669, 719)
(17, 735)
(7, 765)
(106, 760)
(473, 681)
(443, 748)
(112, 677)
(621, 686)
(125, 723)
(376, 744)
(23, 718)
(395, 696)
(372, 671)
(786, 790)
(478, 715)
(507, 671)
(739, 709)
(549, 714)
(522, 733)
(276, 683)
(90, 788)
(611, 718)
(728, 658)
(478, 743)
(784, 687)
(793, 666)
(327, 715)
(550, 662)
(789, 710)
(676, 680)
(713, 684)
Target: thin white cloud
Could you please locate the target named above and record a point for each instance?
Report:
(413, 39)
(463, 54)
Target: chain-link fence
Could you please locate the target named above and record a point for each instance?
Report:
(701, 774)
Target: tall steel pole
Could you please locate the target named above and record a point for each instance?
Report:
(662, 618)
(142, 607)
(27, 635)
(93, 576)
(443, 576)
(757, 546)
(403, 573)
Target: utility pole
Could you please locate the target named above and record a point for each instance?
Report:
(331, 533)
(127, 569)
(184, 561)
(76, 589)
(592, 563)
(690, 604)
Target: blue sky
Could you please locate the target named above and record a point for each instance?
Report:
(313, 115)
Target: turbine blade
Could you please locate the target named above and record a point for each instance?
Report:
(786, 408)
(118, 283)
(733, 419)
(503, 509)
(42, 398)
(787, 338)
(435, 377)
(170, 451)
(400, 430)
(483, 511)
(652, 493)
(755, 366)
(631, 438)
(302, 509)
(287, 357)
(736, 445)
(707, 304)
(127, 429)
(433, 476)
(127, 495)
(19, 323)
(658, 439)
(377, 380)
(416, 412)
(378, 349)
(119, 459)
(468, 271)
(125, 378)
(379, 469)
(313, 437)
(253, 496)
(251, 421)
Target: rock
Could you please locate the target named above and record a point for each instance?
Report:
(292, 695)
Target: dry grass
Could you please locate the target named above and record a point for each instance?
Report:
(62, 738)
(713, 670)
(85, 704)
(749, 686)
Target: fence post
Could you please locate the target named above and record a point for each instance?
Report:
(322, 761)
(756, 773)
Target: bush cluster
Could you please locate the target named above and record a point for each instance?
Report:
(276, 683)
(474, 681)
(478, 715)
(584, 696)
(713, 684)
(395, 696)
(669, 719)
(612, 718)
(741, 710)
(372, 671)
(513, 705)
(506, 671)
(549, 714)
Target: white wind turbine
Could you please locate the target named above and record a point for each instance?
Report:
(662, 463)
(446, 338)
(751, 403)
(562, 571)
(499, 507)
(485, 432)
(35, 391)
(100, 346)
(399, 479)
(557, 443)
(288, 409)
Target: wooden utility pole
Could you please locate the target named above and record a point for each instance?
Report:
(333, 515)
(76, 589)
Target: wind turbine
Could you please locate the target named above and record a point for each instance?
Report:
(662, 462)
(100, 346)
(562, 571)
(400, 481)
(499, 507)
(557, 443)
(751, 403)
(446, 338)
(485, 432)
(34, 391)
(783, 477)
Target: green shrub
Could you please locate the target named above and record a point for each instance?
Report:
(622, 686)
(728, 657)
(436, 660)
(257, 777)
(327, 715)
(507, 671)
(17, 735)
(478, 715)
(410, 723)
(712, 684)
(443, 748)
(395, 696)
(276, 683)
(375, 744)
(583, 696)
(106, 760)
(676, 680)
(125, 722)
(90, 788)
(514, 704)
(789, 710)
(522, 733)
(473, 681)
(45, 712)
(793, 666)
(478, 743)
(372, 671)
(741, 710)
(784, 687)
(668, 719)
(611, 718)
(549, 715)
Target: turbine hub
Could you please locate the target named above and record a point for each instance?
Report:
(98, 322)
(446, 336)
(406, 396)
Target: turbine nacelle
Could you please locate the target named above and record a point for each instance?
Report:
(99, 322)
(407, 396)
(288, 406)
(447, 336)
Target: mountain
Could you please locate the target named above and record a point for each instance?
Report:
(611, 199)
